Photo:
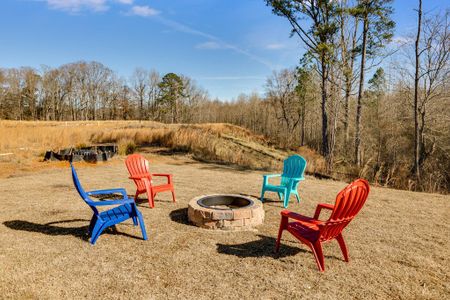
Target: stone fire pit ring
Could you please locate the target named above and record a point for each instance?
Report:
(225, 212)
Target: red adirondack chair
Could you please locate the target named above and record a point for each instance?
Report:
(313, 232)
(138, 167)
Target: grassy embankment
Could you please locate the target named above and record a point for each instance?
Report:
(23, 144)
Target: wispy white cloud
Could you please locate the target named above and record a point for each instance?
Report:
(275, 46)
(212, 39)
(143, 11)
(213, 42)
(209, 45)
(129, 2)
(74, 6)
(78, 5)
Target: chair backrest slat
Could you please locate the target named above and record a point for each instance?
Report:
(348, 203)
(137, 164)
(293, 167)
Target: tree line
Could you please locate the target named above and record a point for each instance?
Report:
(344, 42)
(392, 128)
(92, 91)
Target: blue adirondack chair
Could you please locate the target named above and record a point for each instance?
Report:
(125, 210)
(293, 169)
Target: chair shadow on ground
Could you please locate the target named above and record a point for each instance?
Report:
(52, 230)
(264, 247)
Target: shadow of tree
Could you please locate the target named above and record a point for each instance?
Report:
(265, 246)
(50, 229)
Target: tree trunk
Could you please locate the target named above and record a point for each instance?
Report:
(141, 106)
(325, 150)
(360, 95)
(417, 137)
(302, 137)
(421, 128)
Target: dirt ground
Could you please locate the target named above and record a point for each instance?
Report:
(398, 244)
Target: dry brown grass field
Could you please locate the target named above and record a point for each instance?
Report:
(398, 244)
(23, 143)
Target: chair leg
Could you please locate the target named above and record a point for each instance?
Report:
(262, 194)
(141, 223)
(135, 221)
(340, 239)
(148, 189)
(318, 255)
(153, 199)
(280, 195)
(173, 195)
(98, 228)
(283, 225)
(92, 223)
(136, 196)
(298, 197)
(286, 199)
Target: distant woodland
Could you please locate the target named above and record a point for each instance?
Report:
(366, 115)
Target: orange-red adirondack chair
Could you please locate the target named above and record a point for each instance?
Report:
(313, 232)
(138, 168)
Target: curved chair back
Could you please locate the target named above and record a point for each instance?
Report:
(80, 189)
(349, 202)
(293, 167)
(137, 164)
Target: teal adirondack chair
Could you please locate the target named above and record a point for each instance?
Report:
(293, 170)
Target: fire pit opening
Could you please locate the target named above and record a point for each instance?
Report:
(225, 212)
(224, 202)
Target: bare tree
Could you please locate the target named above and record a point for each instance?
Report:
(139, 81)
(433, 76)
(281, 91)
(416, 93)
(377, 29)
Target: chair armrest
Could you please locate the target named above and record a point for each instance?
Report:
(295, 180)
(165, 175)
(112, 202)
(169, 177)
(319, 209)
(140, 176)
(292, 215)
(267, 176)
(109, 191)
(271, 175)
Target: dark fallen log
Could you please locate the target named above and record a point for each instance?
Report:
(90, 154)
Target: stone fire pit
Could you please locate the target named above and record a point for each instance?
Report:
(226, 212)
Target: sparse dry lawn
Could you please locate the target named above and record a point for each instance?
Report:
(398, 244)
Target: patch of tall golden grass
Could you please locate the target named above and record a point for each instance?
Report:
(223, 143)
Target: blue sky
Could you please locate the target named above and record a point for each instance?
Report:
(227, 46)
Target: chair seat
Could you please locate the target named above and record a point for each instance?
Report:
(162, 187)
(306, 228)
(122, 211)
(156, 188)
(271, 187)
